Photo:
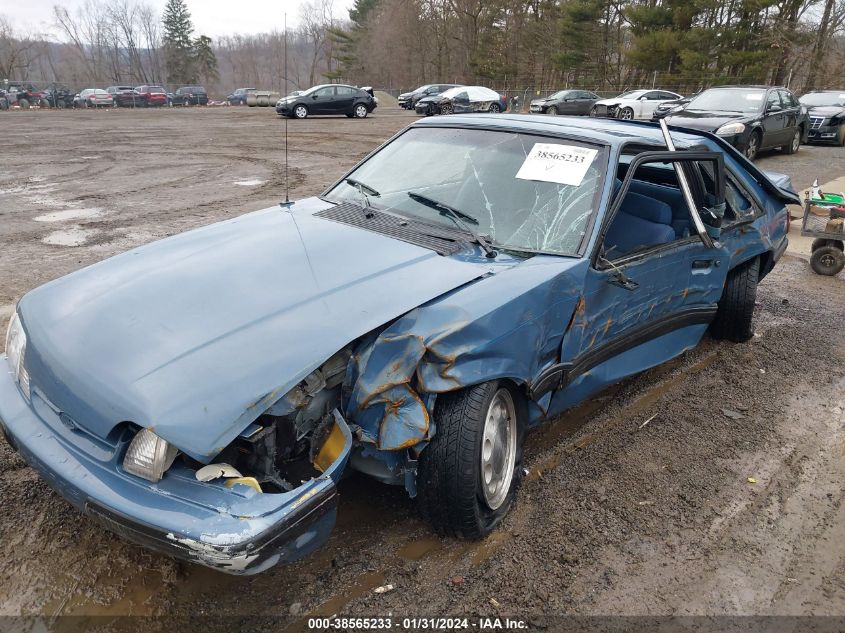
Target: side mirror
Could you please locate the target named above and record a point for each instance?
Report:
(313, 96)
(774, 108)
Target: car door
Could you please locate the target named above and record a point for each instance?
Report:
(791, 114)
(584, 102)
(646, 104)
(344, 99)
(461, 103)
(322, 101)
(644, 304)
(773, 121)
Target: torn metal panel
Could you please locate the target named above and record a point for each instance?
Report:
(508, 325)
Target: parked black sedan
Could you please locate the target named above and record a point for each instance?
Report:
(408, 100)
(827, 116)
(126, 97)
(565, 102)
(328, 99)
(751, 118)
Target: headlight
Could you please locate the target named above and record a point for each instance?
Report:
(729, 129)
(16, 351)
(149, 456)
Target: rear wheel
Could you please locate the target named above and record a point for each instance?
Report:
(794, 144)
(360, 111)
(735, 313)
(470, 472)
(300, 112)
(827, 260)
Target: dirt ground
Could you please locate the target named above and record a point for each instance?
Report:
(710, 485)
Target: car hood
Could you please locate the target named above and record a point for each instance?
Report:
(196, 335)
(706, 120)
(826, 111)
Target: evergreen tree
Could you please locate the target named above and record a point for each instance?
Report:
(206, 61)
(178, 43)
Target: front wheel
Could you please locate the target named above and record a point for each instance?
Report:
(446, 108)
(626, 114)
(827, 260)
(552, 110)
(360, 111)
(24, 104)
(494, 108)
(753, 147)
(735, 312)
(300, 112)
(470, 472)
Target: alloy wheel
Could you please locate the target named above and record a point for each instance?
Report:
(498, 449)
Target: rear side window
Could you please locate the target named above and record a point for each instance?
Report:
(344, 91)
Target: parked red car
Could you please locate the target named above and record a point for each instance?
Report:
(152, 95)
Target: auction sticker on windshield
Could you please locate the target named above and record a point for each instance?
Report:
(563, 164)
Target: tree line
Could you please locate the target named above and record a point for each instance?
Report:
(507, 44)
(599, 44)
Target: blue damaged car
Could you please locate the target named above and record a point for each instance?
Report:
(202, 395)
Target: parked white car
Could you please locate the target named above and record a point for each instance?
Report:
(634, 104)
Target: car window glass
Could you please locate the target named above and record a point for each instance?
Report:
(787, 99)
(773, 100)
(475, 172)
(325, 92)
(344, 91)
(653, 96)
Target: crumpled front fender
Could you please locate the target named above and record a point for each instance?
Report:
(508, 325)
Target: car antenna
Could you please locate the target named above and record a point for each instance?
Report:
(287, 203)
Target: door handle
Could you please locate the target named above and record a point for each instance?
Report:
(704, 264)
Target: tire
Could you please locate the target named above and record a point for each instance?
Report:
(753, 147)
(552, 110)
(840, 138)
(827, 260)
(60, 104)
(452, 494)
(594, 111)
(24, 104)
(626, 114)
(822, 241)
(793, 146)
(300, 112)
(360, 111)
(494, 108)
(735, 313)
(446, 108)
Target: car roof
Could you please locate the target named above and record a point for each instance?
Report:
(605, 131)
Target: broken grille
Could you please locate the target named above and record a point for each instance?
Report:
(441, 241)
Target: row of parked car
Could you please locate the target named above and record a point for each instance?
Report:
(750, 117)
(25, 95)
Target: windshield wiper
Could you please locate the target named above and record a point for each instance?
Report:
(458, 217)
(360, 186)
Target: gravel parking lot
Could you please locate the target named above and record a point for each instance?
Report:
(618, 516)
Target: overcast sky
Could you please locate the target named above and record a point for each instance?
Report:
(211, 17)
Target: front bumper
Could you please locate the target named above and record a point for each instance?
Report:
(236, 530)
(823, 134)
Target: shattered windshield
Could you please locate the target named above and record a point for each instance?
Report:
(523, 192)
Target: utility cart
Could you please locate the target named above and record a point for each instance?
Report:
(824, 217)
